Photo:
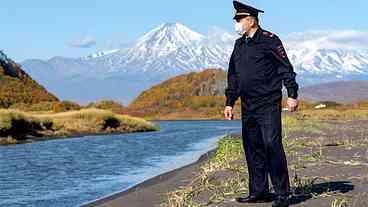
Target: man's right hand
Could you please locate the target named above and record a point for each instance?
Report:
(228, 112)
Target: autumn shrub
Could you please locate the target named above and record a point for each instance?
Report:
(107, 105)
(65, 106)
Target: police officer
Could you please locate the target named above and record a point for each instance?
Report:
(258, 66)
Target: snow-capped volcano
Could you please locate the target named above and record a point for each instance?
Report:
(172, 49)
(169, 44)
(167, 37)
(167, 50)
(163, 39)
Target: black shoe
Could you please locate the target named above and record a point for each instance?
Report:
(254, 198)
(281, 201)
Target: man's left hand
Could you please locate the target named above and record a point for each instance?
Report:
(292, 104)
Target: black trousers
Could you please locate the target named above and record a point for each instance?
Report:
(264, 152)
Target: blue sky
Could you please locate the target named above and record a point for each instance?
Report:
(72, 28)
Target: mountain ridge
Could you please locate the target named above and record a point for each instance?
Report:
(172, 49)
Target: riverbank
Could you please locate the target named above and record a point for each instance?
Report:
(18, 127)
(327, 167)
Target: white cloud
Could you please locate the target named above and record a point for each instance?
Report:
(85, 42)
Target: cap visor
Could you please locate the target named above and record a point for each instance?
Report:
(239, 16)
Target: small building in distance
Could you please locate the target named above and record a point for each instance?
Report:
(320, 106)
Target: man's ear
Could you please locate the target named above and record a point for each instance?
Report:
(254, 22)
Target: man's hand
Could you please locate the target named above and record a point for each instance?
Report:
(228, 112)
(292, 104)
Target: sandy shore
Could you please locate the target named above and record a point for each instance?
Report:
(151, 191)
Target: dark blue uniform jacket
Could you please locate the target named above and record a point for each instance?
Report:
(257, 68)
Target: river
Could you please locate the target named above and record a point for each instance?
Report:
(74, 171)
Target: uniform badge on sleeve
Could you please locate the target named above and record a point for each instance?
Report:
(281, 51)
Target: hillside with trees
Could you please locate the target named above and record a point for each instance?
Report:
(193, 95)
(201, 95)
(17, 87)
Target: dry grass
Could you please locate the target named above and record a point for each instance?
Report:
(93, 120)
(19, 124)
(207, 182)
(8, 140)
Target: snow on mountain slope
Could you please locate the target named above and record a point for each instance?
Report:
(325, 53)
(101, 53)
(171, 48)
(166, 38)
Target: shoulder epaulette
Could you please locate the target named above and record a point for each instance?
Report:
(268, 34)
